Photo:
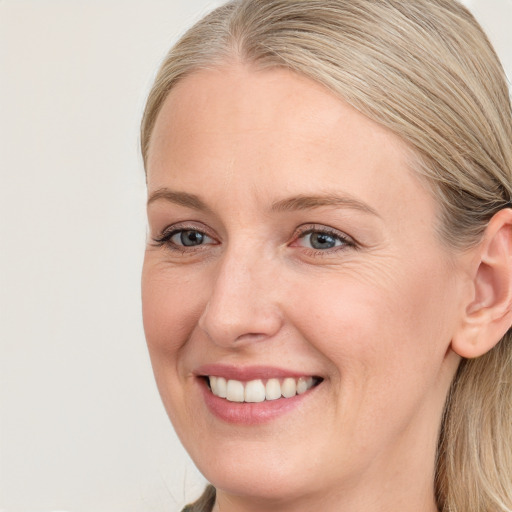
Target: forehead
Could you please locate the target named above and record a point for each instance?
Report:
(269, 129)
(238, 99)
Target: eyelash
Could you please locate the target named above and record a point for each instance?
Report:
(168, 233)
(164, 239)
(346, 241)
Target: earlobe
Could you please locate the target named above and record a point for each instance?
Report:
(488, 315)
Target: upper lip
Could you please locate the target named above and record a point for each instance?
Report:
(247, 373)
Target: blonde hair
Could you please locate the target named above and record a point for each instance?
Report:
(425, 70)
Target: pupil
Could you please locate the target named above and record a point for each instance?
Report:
(322, 241)
(189, 238)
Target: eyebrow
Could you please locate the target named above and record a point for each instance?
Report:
(295, 203)
(304, 202)
(181, 198)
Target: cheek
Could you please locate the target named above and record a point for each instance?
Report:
(170, 313)
(171, 306)
(385, 346)
(394, 326)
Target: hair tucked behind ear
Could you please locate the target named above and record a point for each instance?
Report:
(425, 70)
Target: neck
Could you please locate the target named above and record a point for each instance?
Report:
(229, 503)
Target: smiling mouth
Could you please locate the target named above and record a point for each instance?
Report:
(259, 390)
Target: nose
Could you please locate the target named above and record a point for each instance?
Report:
(242, 306)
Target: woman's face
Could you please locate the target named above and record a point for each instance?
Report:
(290, 244)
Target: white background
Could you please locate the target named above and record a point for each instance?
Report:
(82, 427)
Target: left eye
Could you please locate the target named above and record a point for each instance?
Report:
(319, 240)
(189, 238)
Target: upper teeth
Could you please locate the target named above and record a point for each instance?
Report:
(257, 390)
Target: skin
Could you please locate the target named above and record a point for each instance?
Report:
(374, 316)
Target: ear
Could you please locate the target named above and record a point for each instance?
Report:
(488, 315)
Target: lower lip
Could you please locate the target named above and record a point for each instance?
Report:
(246, 413)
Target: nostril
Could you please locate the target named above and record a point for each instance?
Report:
(252, 336)
(237, 329)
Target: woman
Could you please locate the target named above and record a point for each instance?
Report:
(327, 286)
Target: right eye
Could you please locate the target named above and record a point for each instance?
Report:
(189, 238)
(183, 239)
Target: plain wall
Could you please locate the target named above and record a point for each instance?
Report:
(81, 424)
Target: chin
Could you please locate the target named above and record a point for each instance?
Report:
(264, 469)
(268, 481)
